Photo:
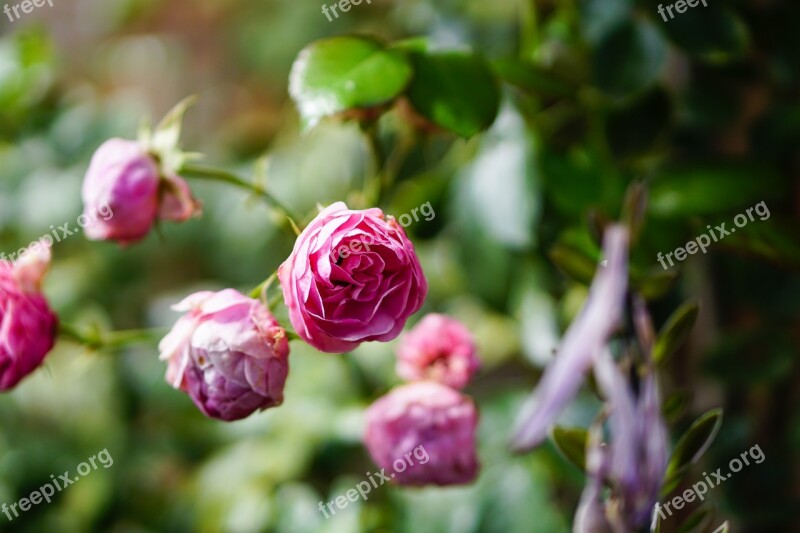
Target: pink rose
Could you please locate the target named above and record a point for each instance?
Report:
(353, 276)
(439, 348)
(228, 353)
(27, 325)
(424, 416)
(126, 180)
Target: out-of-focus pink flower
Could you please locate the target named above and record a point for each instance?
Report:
(439, 348)
(126, 179)
(228, 353)
(424, 416)
(353, 276)
(27, 325)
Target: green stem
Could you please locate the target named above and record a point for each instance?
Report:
(263, 286)
(214, 174)
(113, 339)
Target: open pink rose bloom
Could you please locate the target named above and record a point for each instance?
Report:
(228, 353)
(27, 325)
(352, 277)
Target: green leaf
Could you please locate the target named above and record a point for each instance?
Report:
(654, 283)
(346, 73)
(691, 446)
(532, 78)
(455, 90)
(629, 58)
(675, 331)
(636, 128)
(698, 521)
(705, 189)
(713, 33)
(675, 405)
(571, 442)
(574, 262)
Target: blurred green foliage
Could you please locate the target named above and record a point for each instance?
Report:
(593, 95)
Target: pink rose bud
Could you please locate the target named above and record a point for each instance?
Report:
(424, 433)
(228, 353)
(27, 325)
(440, 349)
(352, 277)
(126, 180)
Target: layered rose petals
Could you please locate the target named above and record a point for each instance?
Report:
(228, 353)
(352, 277)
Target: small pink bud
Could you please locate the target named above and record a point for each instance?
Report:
(125, 179)
(439, 348)
(429, 425)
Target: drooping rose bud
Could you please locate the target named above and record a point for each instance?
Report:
(439, 348)
(429, 425)
(126, 180)
(352, 277)
(27, 325)
(228, 353)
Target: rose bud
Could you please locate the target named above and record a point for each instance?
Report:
(424, 433)
(125, 179)
(352, 277)
(439, 348)
(27, 325)
(228, 353)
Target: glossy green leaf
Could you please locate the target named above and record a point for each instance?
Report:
(675, 331)
(571, 442)
(455, 90)
(335, 75)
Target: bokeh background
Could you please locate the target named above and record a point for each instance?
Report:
(705, 109)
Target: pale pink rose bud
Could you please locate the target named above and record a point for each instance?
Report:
(439, 348)
(27, 325)
(228, 353)
(424, 433)
(352, 277)
(126, 180)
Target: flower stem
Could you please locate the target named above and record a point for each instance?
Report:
(97, 340)
(214, 174)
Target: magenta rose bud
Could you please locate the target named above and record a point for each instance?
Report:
(440, 349)
(424, 433)
(228, 353)
(125, 180)
(352, 277)
(27, 325)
